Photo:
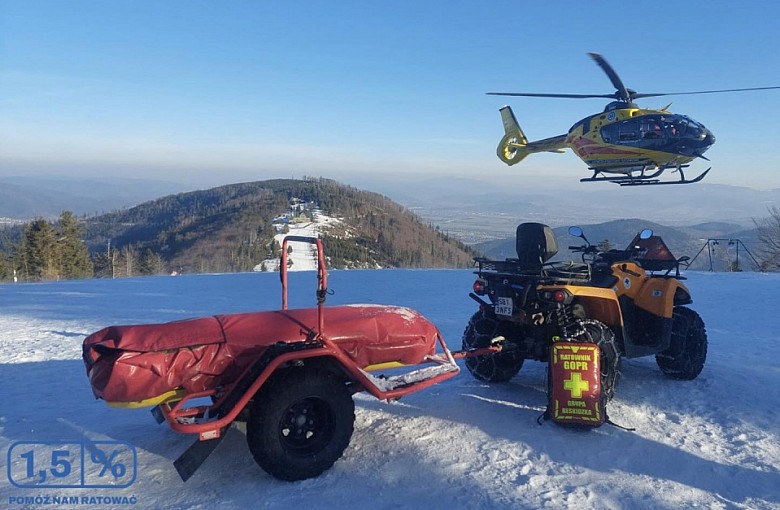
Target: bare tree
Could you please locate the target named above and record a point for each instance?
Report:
(769, 239)
(130, 258)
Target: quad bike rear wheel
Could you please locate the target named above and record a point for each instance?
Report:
(300, 423)
(684, 359)
(480, 332)
(600, 334)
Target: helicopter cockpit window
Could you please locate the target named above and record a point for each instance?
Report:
(694, 129)
(677, 128)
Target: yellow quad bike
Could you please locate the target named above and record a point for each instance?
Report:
(631, 302)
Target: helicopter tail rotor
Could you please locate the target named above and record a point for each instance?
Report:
(512, 148)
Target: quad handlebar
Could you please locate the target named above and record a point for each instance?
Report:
(647, 250)
(594, 255)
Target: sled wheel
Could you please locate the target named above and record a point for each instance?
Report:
(600, 334)
(684, 359)
(480, 331)
(300, 423)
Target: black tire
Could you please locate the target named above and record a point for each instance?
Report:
(300, 423)
(480, 331)
(601, 335)
(687, 352)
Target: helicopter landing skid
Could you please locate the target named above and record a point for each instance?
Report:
(645, 180)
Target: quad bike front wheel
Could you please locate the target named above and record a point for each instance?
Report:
(684, 359)
(300, 423)
(480, 332)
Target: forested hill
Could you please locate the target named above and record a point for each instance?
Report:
(229, 228)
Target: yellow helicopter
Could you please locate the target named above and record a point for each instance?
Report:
(624, 144)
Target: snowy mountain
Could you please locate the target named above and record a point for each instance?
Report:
(231, 228)
(709, 443)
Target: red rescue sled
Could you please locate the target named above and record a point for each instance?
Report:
(241, 364)
(137, 365)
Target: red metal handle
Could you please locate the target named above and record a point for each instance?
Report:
(322, 275)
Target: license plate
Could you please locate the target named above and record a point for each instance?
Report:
(504, 306)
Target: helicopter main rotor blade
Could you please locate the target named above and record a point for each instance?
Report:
(570, 96)
(639, 96)
(622, 92)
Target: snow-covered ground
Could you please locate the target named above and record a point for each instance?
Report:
(710, 443)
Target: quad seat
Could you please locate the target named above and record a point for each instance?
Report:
(535, 244)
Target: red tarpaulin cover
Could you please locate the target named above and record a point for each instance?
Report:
(135, 363)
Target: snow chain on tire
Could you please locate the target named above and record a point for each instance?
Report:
(597, 332)
(492, 368)
(687, 352)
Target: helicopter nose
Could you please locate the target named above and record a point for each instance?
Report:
(709, 138)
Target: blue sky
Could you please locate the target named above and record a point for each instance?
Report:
(219, 92)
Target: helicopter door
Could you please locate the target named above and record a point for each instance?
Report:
(651, 130)
(628, 131)
(621, 133)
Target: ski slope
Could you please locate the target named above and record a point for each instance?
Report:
(710, 443)
(303, 256)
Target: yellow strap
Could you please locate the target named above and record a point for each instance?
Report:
(168, 396)
(384, 366)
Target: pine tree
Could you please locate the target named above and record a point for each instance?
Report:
(72, 253)
(5, 267)
(151, 263)
(101, 263)
(37, 253)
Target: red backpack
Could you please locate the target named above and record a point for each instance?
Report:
(575, 395)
